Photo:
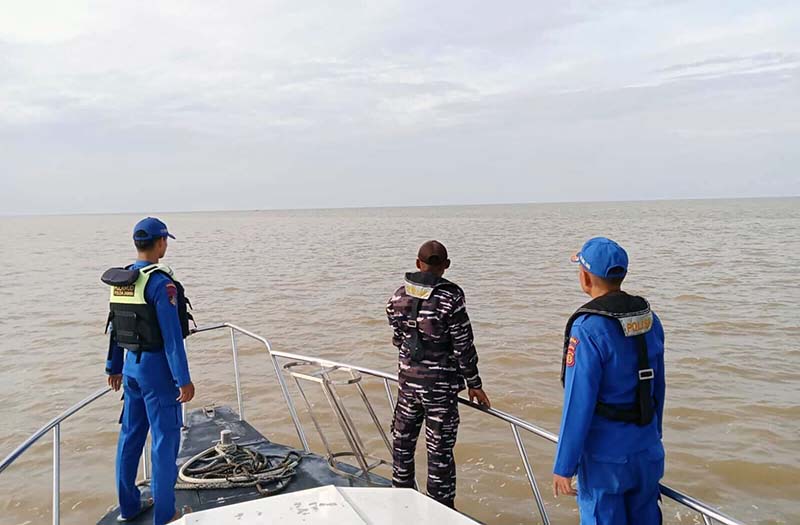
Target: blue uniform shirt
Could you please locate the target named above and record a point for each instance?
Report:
(167, 365)
(604, 369)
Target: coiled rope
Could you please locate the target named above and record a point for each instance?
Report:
(228, 465)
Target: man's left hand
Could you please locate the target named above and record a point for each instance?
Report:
(562, 485)
(186, 393)
(115, 381)
(477, 394)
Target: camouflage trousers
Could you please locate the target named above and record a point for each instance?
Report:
(439, 410)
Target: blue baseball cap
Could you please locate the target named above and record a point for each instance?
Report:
(603, 258)
(150, 228)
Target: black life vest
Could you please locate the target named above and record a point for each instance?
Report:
(635, 319)
(419, 287)
(133, 319)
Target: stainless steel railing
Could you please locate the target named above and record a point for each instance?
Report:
(55, 426)
(708, 514)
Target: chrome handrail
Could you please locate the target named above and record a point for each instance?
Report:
(56, 421)
(706, 512)
(281, 380)
(703, 509)
(54, 425)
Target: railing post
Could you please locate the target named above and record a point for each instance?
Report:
(57, 474)
(236, 374)
(707, 520)
(146, 459)
(389, 394)
(183, 405)
(281, 381)
(372, 414)
(292, 412)
(529, 473)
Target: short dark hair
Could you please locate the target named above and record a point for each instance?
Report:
(432, 253)
(145, 244)
(617, 275)
(612, 281)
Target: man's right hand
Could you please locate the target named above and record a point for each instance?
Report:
(562, 485)
(115, 381)
(480, 396)
(187, 393)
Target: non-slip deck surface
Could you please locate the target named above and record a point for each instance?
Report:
(203, 431)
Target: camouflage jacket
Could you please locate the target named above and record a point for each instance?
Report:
(442, 319)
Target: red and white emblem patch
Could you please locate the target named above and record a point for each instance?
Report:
(573, 343)
(172, 293)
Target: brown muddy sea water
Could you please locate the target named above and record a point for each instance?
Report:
(721, 274)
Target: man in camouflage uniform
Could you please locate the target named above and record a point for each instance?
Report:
(434, 336)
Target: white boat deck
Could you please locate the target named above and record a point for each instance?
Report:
(339, 505)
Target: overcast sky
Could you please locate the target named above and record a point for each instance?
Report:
(114, 106)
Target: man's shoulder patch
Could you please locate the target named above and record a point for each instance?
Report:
(172, 293)
(573, 344)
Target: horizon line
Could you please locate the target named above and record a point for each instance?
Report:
(389, 207)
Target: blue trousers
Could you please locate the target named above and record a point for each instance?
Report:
(621, 490)
(149, 407)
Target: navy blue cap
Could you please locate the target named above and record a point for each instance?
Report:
(603, 257)
(153, 229)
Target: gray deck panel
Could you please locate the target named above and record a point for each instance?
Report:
(204, 431)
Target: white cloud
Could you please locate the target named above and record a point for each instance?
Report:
(43, 22)
(187, 93)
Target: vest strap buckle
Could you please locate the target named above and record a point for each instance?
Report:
(411, 324)
(646, 374)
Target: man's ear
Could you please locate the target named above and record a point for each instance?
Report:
(418, 265)
(447, 264)
(586, 280)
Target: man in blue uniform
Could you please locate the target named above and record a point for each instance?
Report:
(613, 377)
(148, 318)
